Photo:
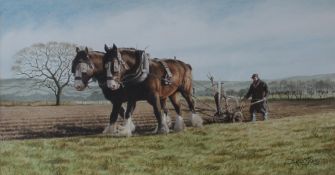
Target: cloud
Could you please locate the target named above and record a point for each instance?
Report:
(274, 38)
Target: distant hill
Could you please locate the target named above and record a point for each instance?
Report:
(203, 88)
(312, 77)
(24, 89)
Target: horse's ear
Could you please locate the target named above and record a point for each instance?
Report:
(106, 48)
(77, 49)
(114, 47)
(86, 50)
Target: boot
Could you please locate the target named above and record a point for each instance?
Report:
(266, 116)
(253, 117)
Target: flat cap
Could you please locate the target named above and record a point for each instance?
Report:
(254, 75)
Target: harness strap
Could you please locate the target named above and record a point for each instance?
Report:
(168, 75)
(166, 67)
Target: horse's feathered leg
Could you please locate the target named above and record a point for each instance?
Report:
(195, 119)
(165, 117)
(111, 128)
(129, 126)
(163, 104)
(179, 124)
(175, 103)
(165, 110)
(156, 104)
(122, 112)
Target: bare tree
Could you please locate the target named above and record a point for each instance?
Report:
(275, 89)
(48, 64)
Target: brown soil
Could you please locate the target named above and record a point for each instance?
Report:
(22, 122)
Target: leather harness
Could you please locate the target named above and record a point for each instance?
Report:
(166, 80)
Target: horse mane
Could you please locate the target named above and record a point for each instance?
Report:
(174, 60)
(132, 50)
(128, 48)
(189, 66)
(95, 51)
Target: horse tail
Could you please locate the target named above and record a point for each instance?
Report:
(187, 83)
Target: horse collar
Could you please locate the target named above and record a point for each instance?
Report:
(141, 72)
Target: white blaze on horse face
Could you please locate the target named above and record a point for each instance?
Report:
(83, 67)
(116, 66)
(88, 69)
(78, 83)
(111, 83)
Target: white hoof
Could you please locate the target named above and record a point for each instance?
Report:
(163, 131)
(124, 132)
(110, 129)
(165, 126)
(155, 130)
(131, 124)
(127, 129)
(179, 124)
(196, 121)
(168, 121)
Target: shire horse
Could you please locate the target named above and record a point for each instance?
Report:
(89, 64)
(142, 78)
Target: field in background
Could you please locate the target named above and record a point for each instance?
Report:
(17, 122)
(299, 139)
(24, 91)
(294, 145)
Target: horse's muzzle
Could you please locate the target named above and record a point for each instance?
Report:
(113, 85)
(79, 85)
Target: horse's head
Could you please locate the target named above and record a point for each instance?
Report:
(115, 67)
(82, 68)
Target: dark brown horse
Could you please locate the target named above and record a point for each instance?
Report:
(141, 79)
(89, 64)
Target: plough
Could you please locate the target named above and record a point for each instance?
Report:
(229, 108)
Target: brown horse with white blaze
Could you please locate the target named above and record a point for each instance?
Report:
(141, 78)
(89, 64)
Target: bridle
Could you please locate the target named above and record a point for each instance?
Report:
(85, 65)
(118, 66)
(115, 65)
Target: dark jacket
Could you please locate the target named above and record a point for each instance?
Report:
(257, 90)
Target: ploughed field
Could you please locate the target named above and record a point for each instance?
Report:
(22, 122)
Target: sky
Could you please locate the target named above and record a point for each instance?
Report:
(231, 39)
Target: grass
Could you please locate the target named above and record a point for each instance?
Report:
(295, 145)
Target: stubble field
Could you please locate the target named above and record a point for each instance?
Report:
(299, 138)
(23, 122)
